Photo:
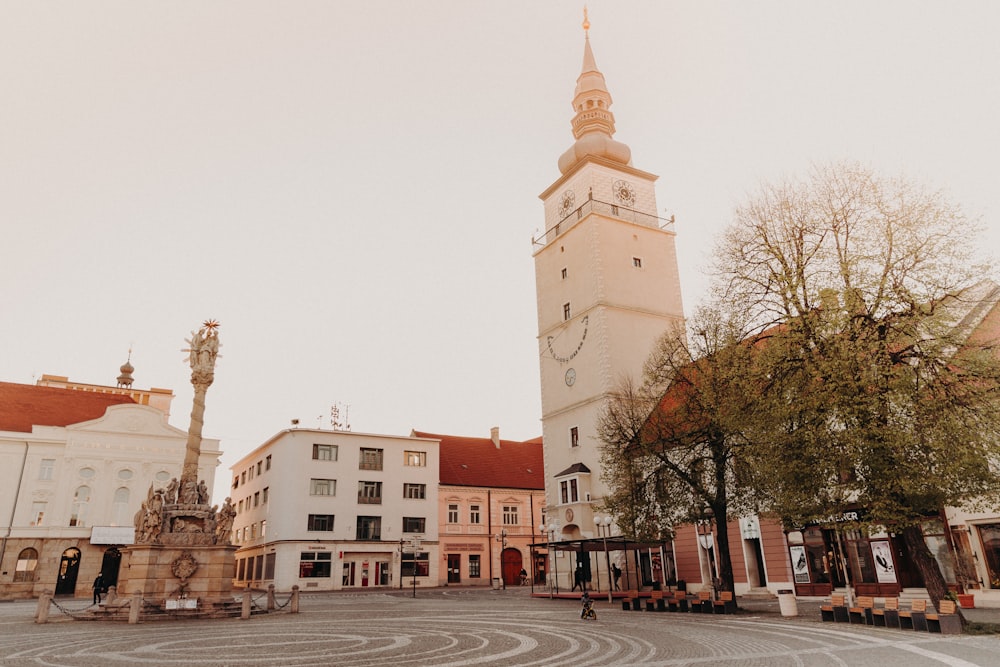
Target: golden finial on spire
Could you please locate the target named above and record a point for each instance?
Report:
(586, 21)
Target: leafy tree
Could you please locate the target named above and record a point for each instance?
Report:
(866, 288)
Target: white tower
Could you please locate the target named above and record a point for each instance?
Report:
(607, 285)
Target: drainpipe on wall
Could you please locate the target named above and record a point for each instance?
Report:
(13, 509)
(489, 532)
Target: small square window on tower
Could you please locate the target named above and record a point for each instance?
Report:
(566, 311)
(637, 262)
(574, 436)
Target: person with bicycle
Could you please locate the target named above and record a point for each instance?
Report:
(588, 606)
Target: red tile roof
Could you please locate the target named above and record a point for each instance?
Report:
(479, 462)
(24, 405)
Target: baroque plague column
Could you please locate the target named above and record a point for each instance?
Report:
(182, 556)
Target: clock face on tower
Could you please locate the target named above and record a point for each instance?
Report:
(567, 203)
(624, 193)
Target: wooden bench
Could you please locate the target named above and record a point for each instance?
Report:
(946, 620)
(862, 611)
(702, 604)
(678, 602)
(631, 601)
(656, 602)
(836, 611)
(887, 616)
(914, 618)
(726, 604)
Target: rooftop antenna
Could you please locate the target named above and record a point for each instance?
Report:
(335, 417)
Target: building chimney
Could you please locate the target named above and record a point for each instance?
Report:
(495, 436)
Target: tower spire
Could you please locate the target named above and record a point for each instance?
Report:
(593, 124)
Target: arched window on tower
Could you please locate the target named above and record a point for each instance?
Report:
(81, 501)
(27, 561)
(119, 508)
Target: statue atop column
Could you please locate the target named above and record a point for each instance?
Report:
(182, 514)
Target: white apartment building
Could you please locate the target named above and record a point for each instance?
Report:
(328, 510)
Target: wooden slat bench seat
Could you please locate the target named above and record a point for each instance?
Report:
(656, 602)
(630, 601)
(678, 602)
(887, 616)
(836, 610)
(914, 618)
(946, 620)
(702, 604)
(726, 604)
(861, 612)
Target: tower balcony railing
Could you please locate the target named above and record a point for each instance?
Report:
(606, 209)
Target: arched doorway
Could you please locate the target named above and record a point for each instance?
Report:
(510, 566)
(109, 566)
(69, 567)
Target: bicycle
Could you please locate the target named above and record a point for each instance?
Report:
(588, 613)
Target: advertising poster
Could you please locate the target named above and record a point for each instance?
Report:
(885, 572)
(800, 566)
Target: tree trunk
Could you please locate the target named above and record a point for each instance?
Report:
(926, 564)
(725, 558)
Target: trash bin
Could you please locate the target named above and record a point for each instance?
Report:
(787, 603)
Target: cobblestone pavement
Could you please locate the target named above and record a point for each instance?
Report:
(456, 627)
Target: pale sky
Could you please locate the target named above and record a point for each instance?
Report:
(351, 188)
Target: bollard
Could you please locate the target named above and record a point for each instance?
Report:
(245, 611)
(271, 603)
(787, 603)
(135, 605)
(42, 612)
(294, 602)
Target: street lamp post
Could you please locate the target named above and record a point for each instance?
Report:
(603, 525)
(502, 539)
(550, 535)
(706, 540)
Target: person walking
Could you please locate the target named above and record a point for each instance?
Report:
(617, 572)
(98, 587)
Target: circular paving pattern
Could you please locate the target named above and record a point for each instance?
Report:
(475, 627)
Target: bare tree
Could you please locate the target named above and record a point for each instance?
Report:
(674, 444)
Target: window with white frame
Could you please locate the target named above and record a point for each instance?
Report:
(322, 487)
(414, 524)
(415, 458)
(453, 513)
(568, 491)
(81, 502)
(38, 513)
(119, 507)
(370, 493)
(24, 569)
(474, 566)
(510, 515)
(371, 459)
(320, 523)
(474, 516)
(325, 452)
(369, 528)
(415, 491)
(574, 436)
(46, 468)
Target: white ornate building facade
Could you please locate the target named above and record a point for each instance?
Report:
(76, 463)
